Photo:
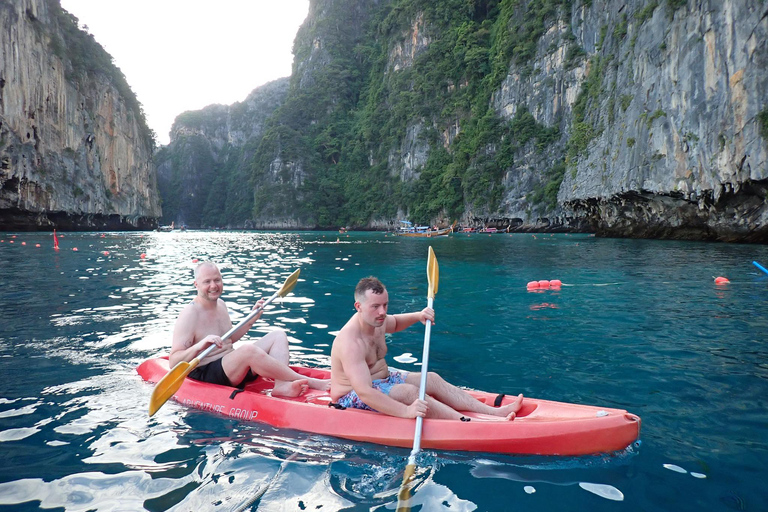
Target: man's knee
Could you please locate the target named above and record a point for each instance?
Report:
(276, 337)
(434, 378)
(251, 353)
(405, 392)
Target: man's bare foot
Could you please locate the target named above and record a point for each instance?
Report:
(290, 388)
(320, 384)
(510, 409)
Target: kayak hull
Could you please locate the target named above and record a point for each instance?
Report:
(542, 427)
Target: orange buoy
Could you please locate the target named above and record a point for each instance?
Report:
(143, 256)
(105, 253)
(37, 245)
(533, 285)
(543, 283)
(194, 260)
(23, 243)
(74, 248)
(721, 280)
(555, 283)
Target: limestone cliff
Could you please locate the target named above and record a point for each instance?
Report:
(75, 151)
(643, 118)
(204, 174)
(669, 130)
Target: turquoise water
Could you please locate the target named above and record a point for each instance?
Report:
(638, 325)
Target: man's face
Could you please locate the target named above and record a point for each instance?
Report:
(209, 283)
(373, 308)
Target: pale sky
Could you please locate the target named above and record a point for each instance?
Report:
(181, 55)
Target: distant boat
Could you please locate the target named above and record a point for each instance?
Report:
(165, 229)
(408, 229)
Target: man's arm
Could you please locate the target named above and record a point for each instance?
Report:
(359, 375)
(402, 321)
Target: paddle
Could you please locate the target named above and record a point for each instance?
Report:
(173, 380)
(760, 267)
(432, 279)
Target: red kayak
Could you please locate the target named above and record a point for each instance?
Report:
(542, 427)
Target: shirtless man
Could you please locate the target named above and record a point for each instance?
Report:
(361, 379)
(204, 320)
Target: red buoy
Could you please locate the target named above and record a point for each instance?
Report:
(721, 280)
(555, 283)
(533, 285)
(143, 256)
(543, 283)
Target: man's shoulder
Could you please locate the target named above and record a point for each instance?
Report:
(348, 336)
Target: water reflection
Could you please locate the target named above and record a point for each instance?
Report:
(640, 325)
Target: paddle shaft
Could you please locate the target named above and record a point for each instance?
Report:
(241, 323)
(422, 388)
(760, 267)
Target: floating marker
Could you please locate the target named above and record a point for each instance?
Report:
(143, 256)
(721, 280)
(529, 489)
(194, 260)
(37, 245)
(23, 243)
(74, 248)
(105, 253)
(55, 241)
(544, 284)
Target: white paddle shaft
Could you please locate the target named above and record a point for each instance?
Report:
(422, 387)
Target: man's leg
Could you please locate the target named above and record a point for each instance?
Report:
(458, 399)
(252, 357)
(275, 344)
(268, 357)
(407, 393)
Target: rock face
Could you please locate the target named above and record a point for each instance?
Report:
(75, 152)
(637, 118)
(681, 155)
(204, 174)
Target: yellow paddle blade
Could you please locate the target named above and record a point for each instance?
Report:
(289, 283)
(405, 489)
(170, 384)
(432, 273)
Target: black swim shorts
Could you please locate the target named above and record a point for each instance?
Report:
(213, 373)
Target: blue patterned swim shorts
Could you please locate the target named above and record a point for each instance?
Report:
(384, 385)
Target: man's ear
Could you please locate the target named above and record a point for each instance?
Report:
(357, 306)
